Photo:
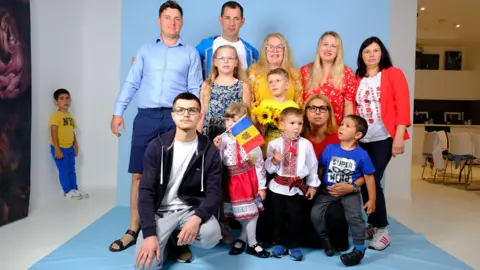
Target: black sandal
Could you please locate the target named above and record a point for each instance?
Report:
(121, 247)
(237, 251)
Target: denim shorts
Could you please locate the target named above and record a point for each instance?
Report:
(148, 123)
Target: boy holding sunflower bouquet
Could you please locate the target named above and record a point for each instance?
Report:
(267, 114)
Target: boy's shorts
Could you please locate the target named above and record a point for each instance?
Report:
(148, 123)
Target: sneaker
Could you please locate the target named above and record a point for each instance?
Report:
(72, 195)
(278, 251)
(227, 235)
(370, 232)
(81, 194)
(296, 254)
(380, 240)
(352, 258)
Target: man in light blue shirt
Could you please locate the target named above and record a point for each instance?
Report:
(162, 69)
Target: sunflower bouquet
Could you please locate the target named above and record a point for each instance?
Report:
(267, 116)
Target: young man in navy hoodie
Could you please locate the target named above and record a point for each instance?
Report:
(231, 18)
(180, 187)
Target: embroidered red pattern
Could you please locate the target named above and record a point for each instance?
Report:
(289, 158)
(368, 100)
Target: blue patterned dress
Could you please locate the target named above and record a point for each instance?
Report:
(221, 97)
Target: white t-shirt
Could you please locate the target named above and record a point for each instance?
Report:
(239, 46)
(368, 100)
(182, 154)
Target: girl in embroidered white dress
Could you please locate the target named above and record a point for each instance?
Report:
(246, 183)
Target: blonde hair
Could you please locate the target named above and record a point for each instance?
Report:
(262, 66)
(238, 73)
(290, 111)
(237, 109)
(338, 68)
(331, 122)
(278, 71)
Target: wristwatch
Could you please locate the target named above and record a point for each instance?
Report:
(355, 188)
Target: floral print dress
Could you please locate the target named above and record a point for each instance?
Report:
(221, 97)
(337, 96)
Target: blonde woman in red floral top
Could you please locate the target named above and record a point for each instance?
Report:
(329, 76)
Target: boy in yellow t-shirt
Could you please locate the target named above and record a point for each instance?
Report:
(278, 85)
(64, 146)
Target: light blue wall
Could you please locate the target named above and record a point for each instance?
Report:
(301, 21)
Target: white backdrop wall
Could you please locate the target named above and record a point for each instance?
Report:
(75, 45)
(403, 25)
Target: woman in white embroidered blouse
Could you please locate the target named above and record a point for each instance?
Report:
(383, 99)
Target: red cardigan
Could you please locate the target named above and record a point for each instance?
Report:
(394, 100)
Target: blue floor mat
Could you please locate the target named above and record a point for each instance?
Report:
(89, 250)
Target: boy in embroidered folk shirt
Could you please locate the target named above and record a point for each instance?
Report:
(246, 182)
(292, 159)
(64, 145)
(345, 162)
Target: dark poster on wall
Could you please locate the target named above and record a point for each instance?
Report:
(15, 109)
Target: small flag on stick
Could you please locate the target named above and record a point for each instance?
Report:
(247, 134)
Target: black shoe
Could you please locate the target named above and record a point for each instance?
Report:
(352, 258)
(327, 247)
(262, 254)
(237, 251)
(183, 254)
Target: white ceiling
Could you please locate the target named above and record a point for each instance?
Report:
(437, 24)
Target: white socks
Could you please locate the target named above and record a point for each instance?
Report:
(249, 228)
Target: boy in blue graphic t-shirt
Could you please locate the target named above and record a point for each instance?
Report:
(345, 162)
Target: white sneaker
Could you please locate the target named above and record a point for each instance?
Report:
(72, 195)
(81, 194)
(370, 232)
(380, 240)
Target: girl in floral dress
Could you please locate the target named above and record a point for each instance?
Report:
(225, 84)
(246, 183)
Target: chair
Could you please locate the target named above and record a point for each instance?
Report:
(432, 152)
(460, 151)
(476, 154)
(444, 139)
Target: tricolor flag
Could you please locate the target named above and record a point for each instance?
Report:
(246, 134)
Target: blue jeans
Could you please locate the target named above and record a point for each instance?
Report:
(66, 168)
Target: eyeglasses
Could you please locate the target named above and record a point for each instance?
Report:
(226, 59)
(314, 109)
(181, 111)
(272, 48)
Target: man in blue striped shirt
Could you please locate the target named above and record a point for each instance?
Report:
(162, 69)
